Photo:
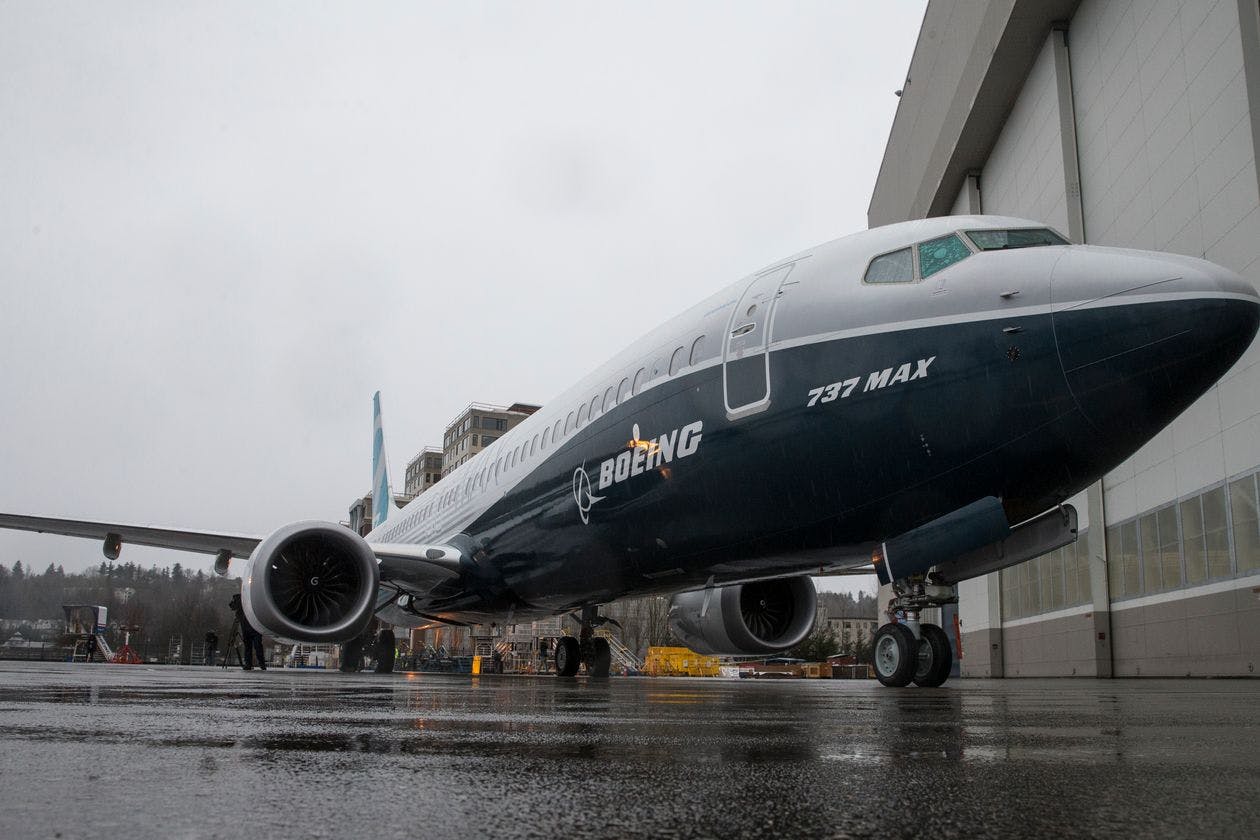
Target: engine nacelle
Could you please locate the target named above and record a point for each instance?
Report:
(767, 616)
(311, 582)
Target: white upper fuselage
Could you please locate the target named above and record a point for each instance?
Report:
(823, 299)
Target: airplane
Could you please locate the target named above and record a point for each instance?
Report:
(918, 400)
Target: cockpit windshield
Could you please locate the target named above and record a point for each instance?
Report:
(1000, 240)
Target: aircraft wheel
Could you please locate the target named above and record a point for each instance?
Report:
(601, 658)
(934, 658)
(895, 659)
(568, 656)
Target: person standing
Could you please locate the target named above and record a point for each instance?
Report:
(352, 655)
(251, 637)
(385, 650)
(212, 647)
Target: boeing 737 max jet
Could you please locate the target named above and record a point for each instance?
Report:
(923, 396)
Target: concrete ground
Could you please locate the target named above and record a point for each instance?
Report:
(104, 751)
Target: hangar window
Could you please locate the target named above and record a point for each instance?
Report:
(555, 433)
(897, 267)
(594, 406)
(1161, 557)
(609, 396)
(568, 424)
(623, 392)
(1001, 240)
(1216, 533)
(938, 254)
(1244, 512)
(581, 417)
(1205, 536)
(638, 380)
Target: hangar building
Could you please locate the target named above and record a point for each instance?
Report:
(1130, 123)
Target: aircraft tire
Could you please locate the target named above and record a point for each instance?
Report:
(934, 658)
(568, 656)
(601, 658)
(895, 660)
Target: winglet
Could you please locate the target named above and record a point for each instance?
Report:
(382, 496)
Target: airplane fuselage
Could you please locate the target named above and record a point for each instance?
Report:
(798, 417)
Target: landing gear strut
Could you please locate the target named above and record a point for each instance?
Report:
(907, 651)
(587, 648)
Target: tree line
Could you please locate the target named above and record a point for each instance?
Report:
(163, 602)
(170, 601)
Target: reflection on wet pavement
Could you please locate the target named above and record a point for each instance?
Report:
(102, 751)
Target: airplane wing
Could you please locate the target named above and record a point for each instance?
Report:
(203, 542)
(421, 566)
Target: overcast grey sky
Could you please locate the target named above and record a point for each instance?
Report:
(224, 225)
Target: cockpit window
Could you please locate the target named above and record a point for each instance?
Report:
(897, 267)
(997, 240)
(937, 254)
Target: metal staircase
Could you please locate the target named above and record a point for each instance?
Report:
(621, 655)
(81, 649)
(308, 655)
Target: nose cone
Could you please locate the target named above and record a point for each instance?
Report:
(1142, 335)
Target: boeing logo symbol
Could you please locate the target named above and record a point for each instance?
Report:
(638, 457)
(582, 494)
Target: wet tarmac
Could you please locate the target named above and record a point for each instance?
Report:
(108, 752)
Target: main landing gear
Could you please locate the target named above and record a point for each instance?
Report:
(907, 651)
(587, 648)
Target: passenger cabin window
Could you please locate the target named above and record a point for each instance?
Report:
(897, 267)
(938, 254)
(676, 361)
(1001, 240)
(697, 347)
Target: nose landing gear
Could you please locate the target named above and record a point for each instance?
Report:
(907, 651)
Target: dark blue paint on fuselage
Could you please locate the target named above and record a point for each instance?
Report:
(996, 415)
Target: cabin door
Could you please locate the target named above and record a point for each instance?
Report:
(745, 360)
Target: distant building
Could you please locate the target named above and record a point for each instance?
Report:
(865, 627)
(478, 426)
(424, 470)
(360, 520)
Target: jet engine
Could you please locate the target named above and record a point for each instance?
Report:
(766, 616)
(311, 582)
